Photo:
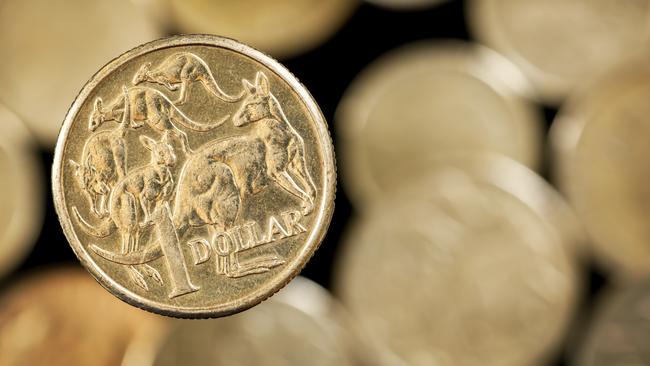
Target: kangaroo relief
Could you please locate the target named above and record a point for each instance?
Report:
(139, 105)
(285, 149)
(103, 163)
(134, 200)
(182, 69)
(205, 229)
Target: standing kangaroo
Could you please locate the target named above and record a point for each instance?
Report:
(134, 199)
(271, 151)
(103, 163)
(139, 105)
(284, 149)
(182, 68)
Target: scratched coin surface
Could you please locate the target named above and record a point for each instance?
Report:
(601, 150)
(463, 268)
(281, 28)
(61, 317)
(50, 48)
(621, 328)
(194, 176)
(21, 191)
(426, 100)
(560, 43)
(295, 327)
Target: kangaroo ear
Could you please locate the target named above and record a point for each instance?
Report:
(262, 82)
(147, 142)
(98, 104)
(75, 166)
(250, 88)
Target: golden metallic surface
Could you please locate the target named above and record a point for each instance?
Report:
(282, 28)
(621, 329)
(50, 48)
(463, 268)
(21, 191)
(62, 317)
(424, 101)
(296, 327)
(194, 176)
(600, 140)
(560, 43)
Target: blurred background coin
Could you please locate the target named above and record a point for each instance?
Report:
(601, 152)
(21, 191)
(61, 317)
(560, 43)
(425, 100)
(297, 327)
(281, 28)
(50, 48)
(620, 331)
(461, 269)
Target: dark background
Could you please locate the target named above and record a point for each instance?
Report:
(327, 71)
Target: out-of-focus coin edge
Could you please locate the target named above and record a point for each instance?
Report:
(565, 134)
(510, 177)
(290, 48)
(358, 100)
(27, 219)
(325, 208)
(483, 23)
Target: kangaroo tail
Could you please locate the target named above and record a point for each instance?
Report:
(105, 228)
(147, 255)
(185, 121)
(211, 85)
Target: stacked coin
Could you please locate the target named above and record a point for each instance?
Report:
(301, 326)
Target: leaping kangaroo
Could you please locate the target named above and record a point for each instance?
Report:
(139, 105)
(182, 68)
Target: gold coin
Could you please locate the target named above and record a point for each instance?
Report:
(600, 139)
(424, 101)
(297, 329)
(282, 28)
(21, 191)
(49, 48)
(560, 43)
(620, 331)
(194, 176)
(61, 317)
(463, 268)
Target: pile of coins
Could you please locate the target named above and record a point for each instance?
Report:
(491, 154)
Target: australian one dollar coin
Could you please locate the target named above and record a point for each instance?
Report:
(194, 176)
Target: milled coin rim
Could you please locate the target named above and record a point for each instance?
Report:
(325, 207)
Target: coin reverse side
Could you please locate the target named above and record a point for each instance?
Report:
(194, 176)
